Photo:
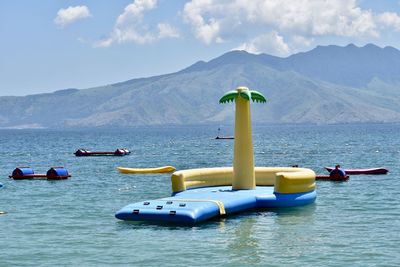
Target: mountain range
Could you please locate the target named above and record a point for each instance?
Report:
(326, 85)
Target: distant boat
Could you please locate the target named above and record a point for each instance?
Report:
(223, 137)
(118, 152)
(362, 171)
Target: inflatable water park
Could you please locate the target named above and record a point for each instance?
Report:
(205, 193)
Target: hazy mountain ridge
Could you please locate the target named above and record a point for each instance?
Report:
(328, 84)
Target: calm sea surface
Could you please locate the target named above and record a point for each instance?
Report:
(72, 223)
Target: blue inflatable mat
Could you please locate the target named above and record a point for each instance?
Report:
(197, 205)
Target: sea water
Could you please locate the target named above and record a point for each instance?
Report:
(71, 222)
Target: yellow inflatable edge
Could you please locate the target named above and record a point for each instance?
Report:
(286, 180)
(163, 169)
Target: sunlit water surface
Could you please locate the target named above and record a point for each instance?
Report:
(72, 223)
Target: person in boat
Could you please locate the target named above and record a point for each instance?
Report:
(337, 173)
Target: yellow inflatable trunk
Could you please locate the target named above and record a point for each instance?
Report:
(243, 159)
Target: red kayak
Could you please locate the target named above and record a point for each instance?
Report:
(328, 177)
(362, 171)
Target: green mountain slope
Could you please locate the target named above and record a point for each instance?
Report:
(191, 97)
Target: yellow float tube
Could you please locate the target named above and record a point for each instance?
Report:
(163, 169)
(286, 180)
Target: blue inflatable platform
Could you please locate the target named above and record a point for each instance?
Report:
(197, 205)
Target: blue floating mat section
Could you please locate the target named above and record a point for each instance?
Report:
(197, 205)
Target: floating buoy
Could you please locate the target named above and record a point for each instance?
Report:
(118, 152)
(57, 173)
(26, 172)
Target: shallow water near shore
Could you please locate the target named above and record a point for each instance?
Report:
(71, 222)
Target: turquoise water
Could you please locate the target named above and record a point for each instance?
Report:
(71, 222)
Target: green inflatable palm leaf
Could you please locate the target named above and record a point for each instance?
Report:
(258, 97)
(246, 94)
(229, 96)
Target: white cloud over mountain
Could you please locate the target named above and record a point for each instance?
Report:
(130, 26)
(285, 24)
(271, 41)
(390, 19)
(279, 27)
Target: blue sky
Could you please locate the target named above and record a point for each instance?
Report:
(50, 45)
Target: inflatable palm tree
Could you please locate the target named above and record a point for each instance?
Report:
(243, 158)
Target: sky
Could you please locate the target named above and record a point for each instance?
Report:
(50, 45)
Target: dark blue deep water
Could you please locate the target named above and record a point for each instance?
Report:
(71, 222)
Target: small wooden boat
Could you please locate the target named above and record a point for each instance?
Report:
(163, 169)
(330, 178)
(85, 153)
(224, 137)
(362, 171)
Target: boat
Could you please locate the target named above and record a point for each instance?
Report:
(163, 169)
(223, 137)
(85, 153)
(329, 178)
(362, 171)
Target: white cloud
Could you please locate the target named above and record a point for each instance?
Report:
(134, 12)
(301, 41)
(129, 26)
(167, 31)
(389, 19)
(271, 43)
(297, 22)
(71, 14)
